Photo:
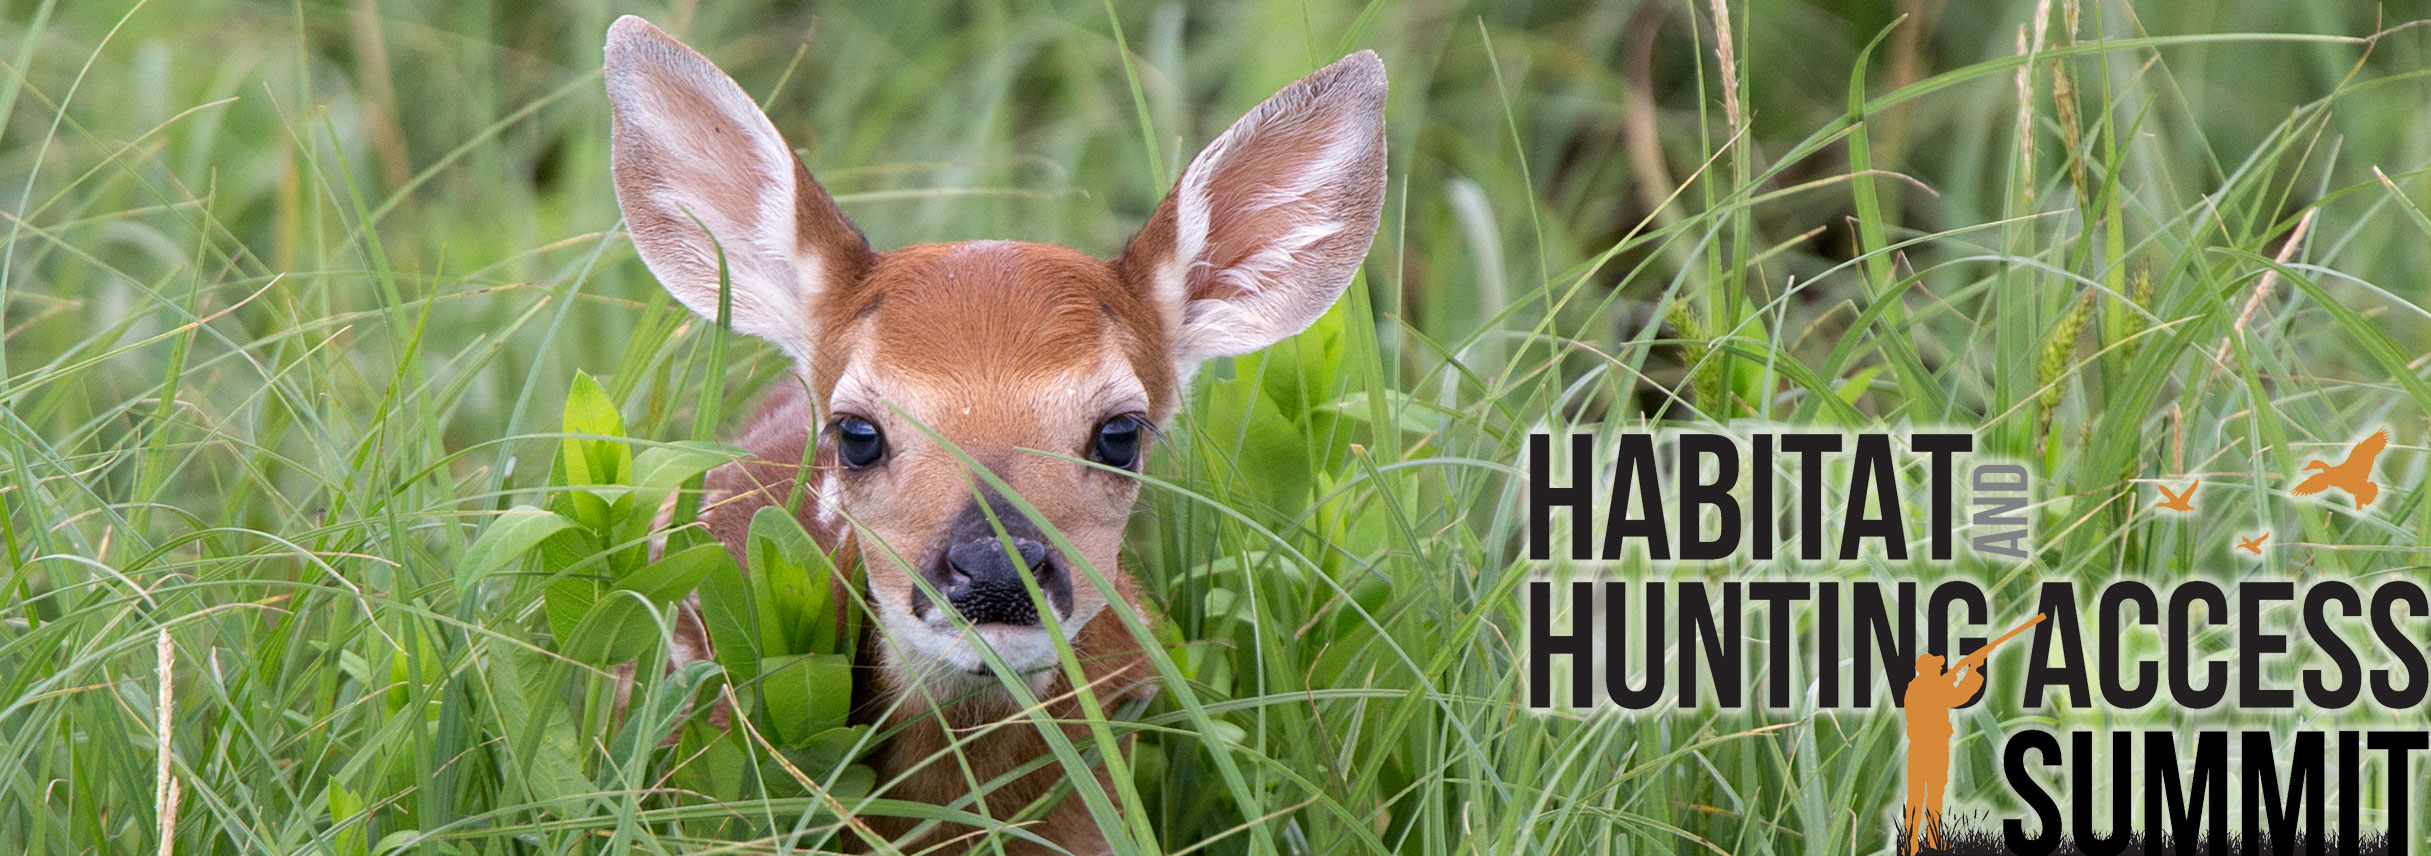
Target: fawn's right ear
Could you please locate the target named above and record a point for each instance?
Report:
(699, 172)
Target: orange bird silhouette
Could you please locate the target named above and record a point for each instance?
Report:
(2353, 475)
(2177, 499)
(2253, 545)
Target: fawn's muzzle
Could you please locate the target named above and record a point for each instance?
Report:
(985, 581)
(979, 577)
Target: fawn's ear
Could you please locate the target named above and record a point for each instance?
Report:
(1269, 222)
(700, 171)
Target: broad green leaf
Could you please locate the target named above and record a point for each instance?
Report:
(825, 757)
(727, 613)
(854, 782)
(1252, 447)
(589, 411)
(587, 507)
(567, 601)
(344, 806)
(790, 582)
(667, 467)
(397, 841)
(669, 579)
(539, 741)
(806, 694)
(618, 629)
(1299, 373)
(715, 762)
(513, 534)
(832, 748)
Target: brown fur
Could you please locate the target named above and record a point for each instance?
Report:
(987, 358)
(973, 320)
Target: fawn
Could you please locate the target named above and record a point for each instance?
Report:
(909, 360)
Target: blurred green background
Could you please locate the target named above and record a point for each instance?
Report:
(293, 294)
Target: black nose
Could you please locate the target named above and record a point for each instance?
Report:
(984, 582)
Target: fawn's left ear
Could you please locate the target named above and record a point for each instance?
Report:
(1267, 225)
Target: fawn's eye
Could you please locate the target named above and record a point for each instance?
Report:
(858, 442)
(1118, 441)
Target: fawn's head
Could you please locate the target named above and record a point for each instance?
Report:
(1023, 359)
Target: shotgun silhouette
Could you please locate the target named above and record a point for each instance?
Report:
(1976, 657)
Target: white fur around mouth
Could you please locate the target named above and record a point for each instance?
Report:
(931, 650)
(1023, 648)
(935, 651)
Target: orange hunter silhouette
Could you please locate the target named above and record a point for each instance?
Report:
(2353, 475)
(2253, 545)
(2177, 500)
(1929, 697)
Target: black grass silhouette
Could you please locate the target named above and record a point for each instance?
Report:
(1981, 835)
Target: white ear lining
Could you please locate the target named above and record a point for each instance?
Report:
(1271, 220)
(701, 173)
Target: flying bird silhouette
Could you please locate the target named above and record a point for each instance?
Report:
(2253, 545)
(2353, 475)
(2177, 499)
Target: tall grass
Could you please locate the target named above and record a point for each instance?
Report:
(292, 294)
